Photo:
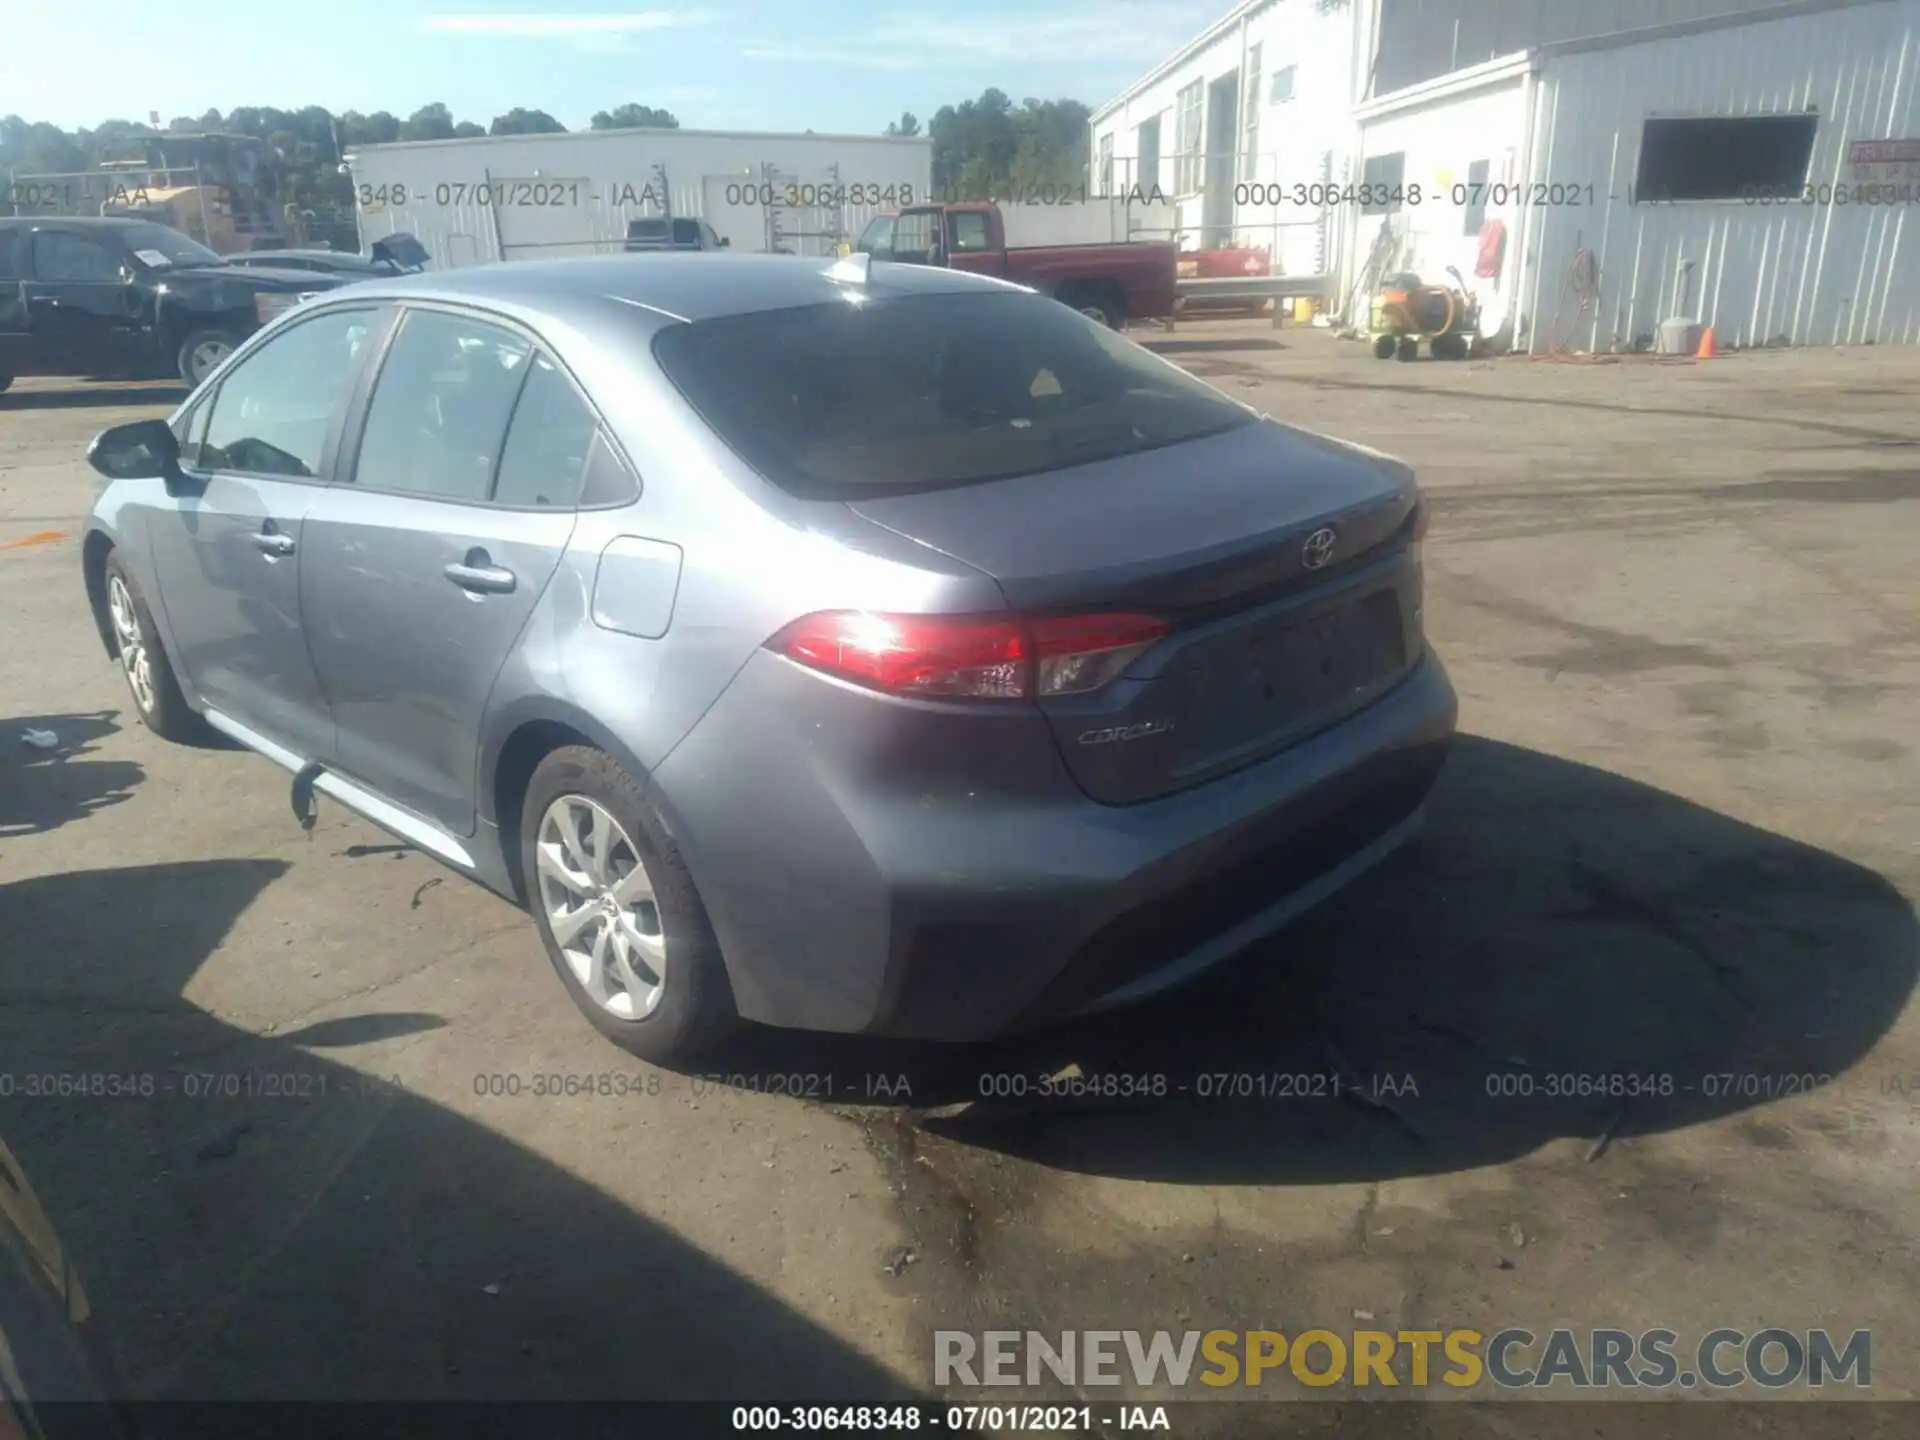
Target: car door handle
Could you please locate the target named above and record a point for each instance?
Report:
(272, 542)
(482, 579)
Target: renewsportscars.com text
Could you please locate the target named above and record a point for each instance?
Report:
(1511, 1358)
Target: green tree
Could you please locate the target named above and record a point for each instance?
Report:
(429, 122)
(906, 126)
(984, 148)
(634, 117)
(521, 121)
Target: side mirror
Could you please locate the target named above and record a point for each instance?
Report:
(139, 450)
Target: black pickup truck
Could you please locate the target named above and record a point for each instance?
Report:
(123, 297)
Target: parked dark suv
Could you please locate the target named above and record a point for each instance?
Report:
(659, 233)
(127, 297)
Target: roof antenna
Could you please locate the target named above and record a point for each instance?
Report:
(851, 268)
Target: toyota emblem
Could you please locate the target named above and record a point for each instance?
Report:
(1319, 548)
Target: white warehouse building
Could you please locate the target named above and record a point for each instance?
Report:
(525, 197)
(1590, 170)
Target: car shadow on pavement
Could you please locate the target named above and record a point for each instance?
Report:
(254, 1221)
(95, 395)
(44, 786)
(1563, 952)
(1216, 346)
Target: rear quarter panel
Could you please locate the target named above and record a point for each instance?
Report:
(752, 559)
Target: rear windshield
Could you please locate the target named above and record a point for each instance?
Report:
(923, 392)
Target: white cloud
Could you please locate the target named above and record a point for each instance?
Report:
(1119, 32)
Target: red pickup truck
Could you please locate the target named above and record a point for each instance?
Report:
(1112, 281)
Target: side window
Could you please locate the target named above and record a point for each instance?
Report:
(546, 453)
(10, 248)
(275, 408)
(877, 239)
(967, 230)
(915, 236)
(192, 432)
(609, 482)
(58, 256)
(440, 407)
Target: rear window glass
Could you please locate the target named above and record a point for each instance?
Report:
(923, 392)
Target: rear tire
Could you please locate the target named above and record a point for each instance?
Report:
(1095, 304)
(202, 352)
(1383, 347)
(635, 949)
(143, 660)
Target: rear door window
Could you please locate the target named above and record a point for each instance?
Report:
(438, 417)
(921, 392)
(545, 459)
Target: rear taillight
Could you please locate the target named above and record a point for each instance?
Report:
(947, 657)
(1419, 521)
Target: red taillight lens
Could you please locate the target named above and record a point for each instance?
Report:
(939, 656)
(1419, 521)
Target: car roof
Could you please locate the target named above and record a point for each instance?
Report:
(675, 285)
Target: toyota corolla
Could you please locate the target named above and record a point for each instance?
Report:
(849, 646)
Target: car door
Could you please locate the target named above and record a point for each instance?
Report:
(424, 564)
(227, 552)
(83, 313)
(14, 350)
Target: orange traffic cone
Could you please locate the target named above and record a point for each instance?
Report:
(1706, 350)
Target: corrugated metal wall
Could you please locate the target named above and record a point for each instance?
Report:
(1423, 39)
(1814, 274)
(1302, 139)
(542, 197)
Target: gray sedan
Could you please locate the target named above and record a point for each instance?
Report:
(862, 648)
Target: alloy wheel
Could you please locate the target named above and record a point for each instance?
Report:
(206, 357)
(599, 902)
(132, 646)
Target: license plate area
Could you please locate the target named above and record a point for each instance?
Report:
(1292, 676)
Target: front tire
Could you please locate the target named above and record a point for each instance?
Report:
(155, 689)
(202, 352)
(5, 382)
(623, 925)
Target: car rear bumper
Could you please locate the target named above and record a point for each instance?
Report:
(963, 891)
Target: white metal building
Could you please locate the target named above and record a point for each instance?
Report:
(520, 197)
(1625, 148)
(1230, 124)
(1756, 172)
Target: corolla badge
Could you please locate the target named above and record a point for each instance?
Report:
(1319, 548)
(1114, 733)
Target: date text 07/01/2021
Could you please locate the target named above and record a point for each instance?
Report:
(959, 1419)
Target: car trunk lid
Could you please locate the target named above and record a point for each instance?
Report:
(1283, 559)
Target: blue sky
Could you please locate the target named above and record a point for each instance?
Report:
(826, 65)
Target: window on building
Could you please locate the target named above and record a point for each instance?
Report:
(1724, 157)
(1105, 177)
(1187, 156)
(1476, 206)
(1146, 170)
(1381, 180)
(1282, 89)
(1250, 126)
